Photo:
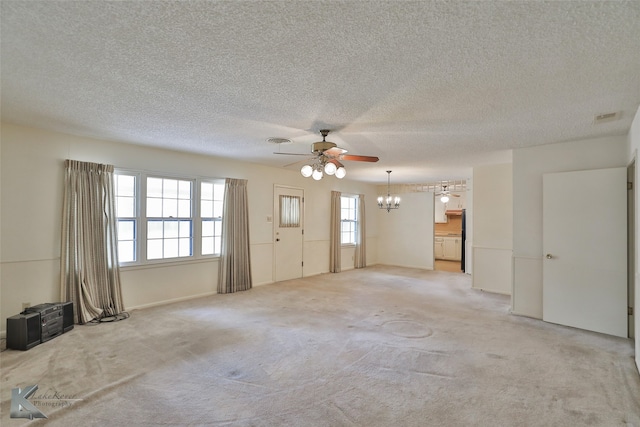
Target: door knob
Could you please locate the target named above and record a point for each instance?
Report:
(277, 240)
(549, 256)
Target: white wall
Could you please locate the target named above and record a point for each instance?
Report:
(31, 213)
(492, 228)
(405, 235)
(529, 164)
(468, 254)
(634, 148)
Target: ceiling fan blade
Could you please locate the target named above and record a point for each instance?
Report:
(335, 162)
(293, 154)
(356, 158)
(334, 152)
(297, 161)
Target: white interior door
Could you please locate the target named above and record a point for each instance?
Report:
(585, 250)
(289, 229)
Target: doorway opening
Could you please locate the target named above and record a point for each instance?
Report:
(450, 226)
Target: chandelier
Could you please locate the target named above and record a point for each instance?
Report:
(389, 202)
(322, 166)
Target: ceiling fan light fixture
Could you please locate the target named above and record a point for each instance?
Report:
(330, 168)
(306, 171)
(444, 198)
(326, 158)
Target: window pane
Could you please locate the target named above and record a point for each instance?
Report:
(126, 230)
(184, 190)
(184, 208)
(206, 191)
(154, 249)
(217, 243)
(154, 230)
(126, 252)
(126, 211)
(217, 228)
(185, 246)
(207, 246)
(154, 187)
(207, 228)
(185, 229)
(289, 211)
(154, 208)
(126, 185)
(206, 209)
(124, 206)
(170, 188)
(167, 201)
(170, 229)
(218, 191)
(349, 216)
(170, 248)
(169, 208)
(217, 209)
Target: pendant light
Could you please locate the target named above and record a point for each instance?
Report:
(389, 202)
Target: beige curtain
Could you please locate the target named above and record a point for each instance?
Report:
(289, 211)
(234, 269)
(334, 239)
(89, 272)
(360, 258)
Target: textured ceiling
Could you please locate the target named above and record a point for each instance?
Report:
(432, 88)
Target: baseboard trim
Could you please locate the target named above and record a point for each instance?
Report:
(263, 283)
(491, 291)
(170, 301)
(515, 313)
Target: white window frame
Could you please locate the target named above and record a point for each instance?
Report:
(353, 212)
(135, 218)
(166, 218)
(141, 217)
(216, 219)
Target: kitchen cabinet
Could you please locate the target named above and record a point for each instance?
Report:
(438, 248)
(457, 202)
(448, 248)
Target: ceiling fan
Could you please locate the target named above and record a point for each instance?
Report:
(445, 194)
(326, 159)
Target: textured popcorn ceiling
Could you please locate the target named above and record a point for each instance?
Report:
(432, 88)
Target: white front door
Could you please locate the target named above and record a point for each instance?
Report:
(289, 230)
(585, 250)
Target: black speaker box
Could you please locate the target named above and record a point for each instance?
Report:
(23, 331)
(67, 323)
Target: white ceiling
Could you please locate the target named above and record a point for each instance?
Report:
(432, 88)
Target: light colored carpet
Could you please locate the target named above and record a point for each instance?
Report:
(380, 346)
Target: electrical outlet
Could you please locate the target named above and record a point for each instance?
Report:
(26, 305)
